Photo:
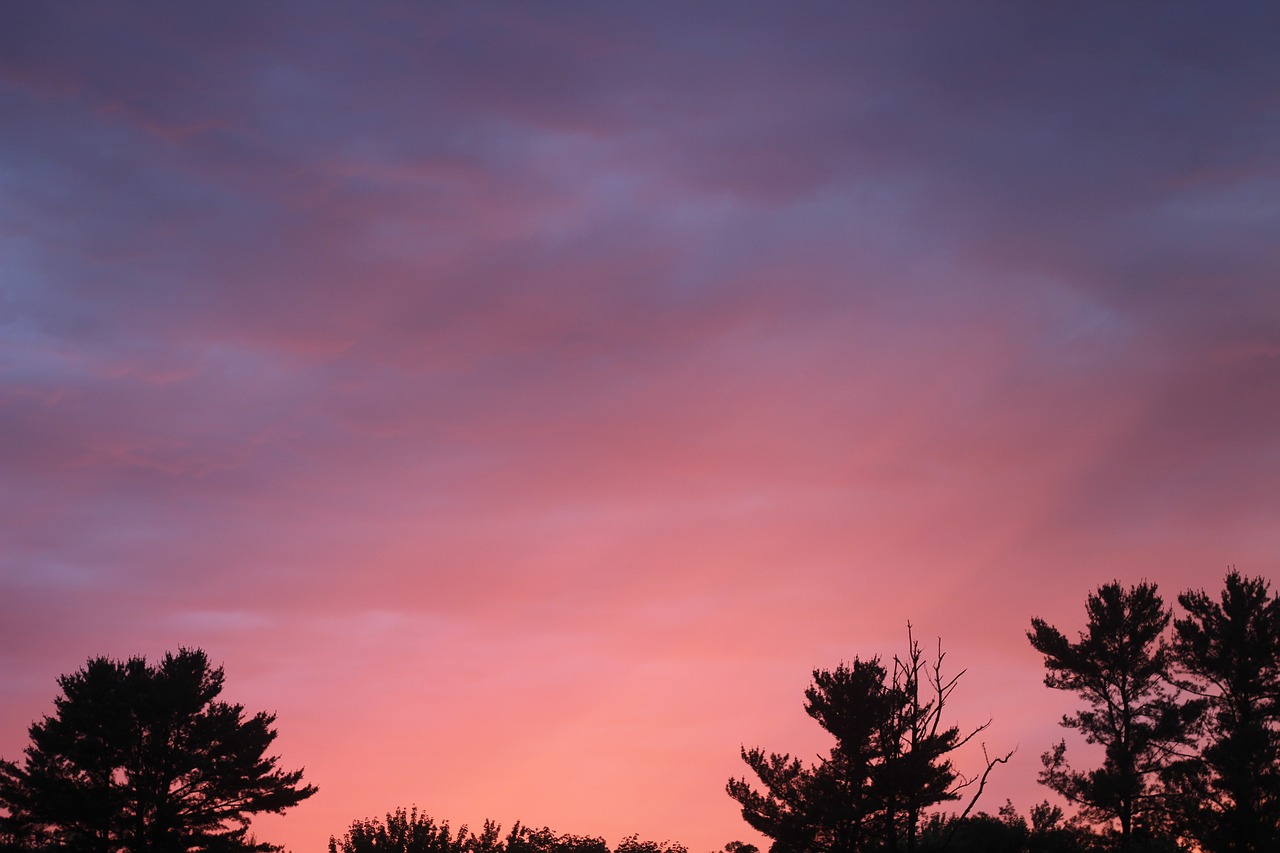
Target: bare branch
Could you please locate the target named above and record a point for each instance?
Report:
(982, 784)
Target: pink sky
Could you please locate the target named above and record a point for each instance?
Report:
(521, 400)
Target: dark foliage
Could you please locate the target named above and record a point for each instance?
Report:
(977, 833)
(1048, 831)
(1121, 667)
(1229, 651)
(144, 758)
(413, 832)
(890, 761)
(523, 839)
(404, 832)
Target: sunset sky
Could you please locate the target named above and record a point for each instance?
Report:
(521, 399)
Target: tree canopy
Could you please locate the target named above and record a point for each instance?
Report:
(1229, 654)
(412, 831)
(1120, 666)
(890, 762)
(144, 757)
(1189, 719)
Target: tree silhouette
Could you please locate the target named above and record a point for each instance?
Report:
(633, 844)
(890, 761)
(1048, 831)
(403, 832)
(1230, 651)
(523, 839)
(414, 832)
(144, 758)
(1120, 666)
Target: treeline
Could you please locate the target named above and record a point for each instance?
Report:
(409, 831)
(1186, 711)
(1183, 709)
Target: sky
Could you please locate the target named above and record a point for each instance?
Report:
(522, 400)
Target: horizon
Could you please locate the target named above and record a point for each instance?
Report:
(522, 401)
